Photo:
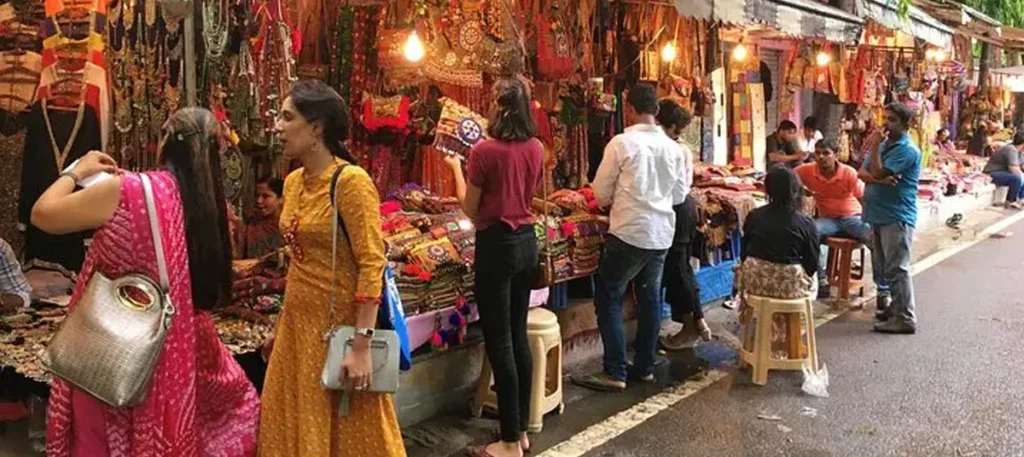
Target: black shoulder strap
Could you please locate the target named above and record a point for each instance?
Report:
(334, 192)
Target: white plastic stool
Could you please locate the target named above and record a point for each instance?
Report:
(545, 339)
(760, 357)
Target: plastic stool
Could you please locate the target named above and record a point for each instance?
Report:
(760, 357)
(841, 272)
(545, 339)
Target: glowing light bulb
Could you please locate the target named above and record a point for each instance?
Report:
(940, 55)
(823, 58)
(929, 54)
(413, 48)
(739, 53)
(668, 53)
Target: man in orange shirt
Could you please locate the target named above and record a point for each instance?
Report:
(837, 193)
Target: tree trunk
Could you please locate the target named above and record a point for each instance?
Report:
(1018, 110)
(983, 67)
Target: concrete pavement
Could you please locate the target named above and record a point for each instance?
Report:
(951, 390)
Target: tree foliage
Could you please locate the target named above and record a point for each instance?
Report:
(1009, 12)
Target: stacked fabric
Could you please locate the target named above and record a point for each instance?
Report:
(414, 197)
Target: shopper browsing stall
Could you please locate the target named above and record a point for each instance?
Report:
(1004, 166)
(890, 206)
(638, 176)
(300, 417)
(212, 407)
(504, 173)
(681, 290)
(782, 146)
(837, 192)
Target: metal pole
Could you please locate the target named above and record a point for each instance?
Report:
(190, 56)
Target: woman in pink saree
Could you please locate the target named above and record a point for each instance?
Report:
(199, 401)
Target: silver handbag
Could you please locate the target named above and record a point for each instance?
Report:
(109, 344)
(384, 347)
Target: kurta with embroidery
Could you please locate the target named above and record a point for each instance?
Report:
(299, 416)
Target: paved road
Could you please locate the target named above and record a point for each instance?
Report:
(954, 389)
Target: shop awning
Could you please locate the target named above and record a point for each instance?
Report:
(919, 24)
(800, 18)
(964, 19)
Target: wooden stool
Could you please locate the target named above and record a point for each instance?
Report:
(760, 357)
(840, 272)
(545, 339)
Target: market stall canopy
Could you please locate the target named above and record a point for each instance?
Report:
(800, 18)
(1013, 38)
(919, 24)
(964, 19)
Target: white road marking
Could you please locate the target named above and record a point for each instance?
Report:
(602, 432)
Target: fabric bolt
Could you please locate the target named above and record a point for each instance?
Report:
(886, 204)
(506, 270)
(836, 196)
(200, 401)
(892, 246)
(299, 416)
(621, 264)
(508, 174)
(640, 170)
(39, 170)
(12, 278)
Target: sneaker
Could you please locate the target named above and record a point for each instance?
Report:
(882, 304)
(896, 328)
(601, 382)
(646, 379)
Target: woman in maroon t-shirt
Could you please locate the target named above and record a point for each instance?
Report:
(503, 175)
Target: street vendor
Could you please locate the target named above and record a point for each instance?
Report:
(14, 288)
(837, 191)
(262, 232)
(944, 142)
(782, 146)
(1004, 166)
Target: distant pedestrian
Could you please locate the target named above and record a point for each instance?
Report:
(890, 206)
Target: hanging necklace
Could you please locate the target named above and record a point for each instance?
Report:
(58, 154)
(215, 29)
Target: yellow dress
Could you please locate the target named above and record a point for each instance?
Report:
(299, 417)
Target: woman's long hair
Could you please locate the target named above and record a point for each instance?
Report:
(318, 103)
(191, 152)
(513, 118)
(784, 189)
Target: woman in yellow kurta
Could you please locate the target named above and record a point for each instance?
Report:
(300, 417)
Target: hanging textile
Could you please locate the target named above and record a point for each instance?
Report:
(54, 139)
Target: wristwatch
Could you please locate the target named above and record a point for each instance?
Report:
(71, 174)
(367, 332)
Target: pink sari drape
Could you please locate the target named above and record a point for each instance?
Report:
(200, 402)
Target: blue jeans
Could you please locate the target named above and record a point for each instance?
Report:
(848, 227)
(620, 264)
(1014, 182)
(892, 252)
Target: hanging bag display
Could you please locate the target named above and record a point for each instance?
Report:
(111, 341)
(554, 48)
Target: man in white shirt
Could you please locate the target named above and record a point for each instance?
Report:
(810, 136)
(642, 175)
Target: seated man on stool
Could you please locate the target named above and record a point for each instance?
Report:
(837, 192)
(1004, 168)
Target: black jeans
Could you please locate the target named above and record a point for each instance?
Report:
(506, 268)
(681, 290)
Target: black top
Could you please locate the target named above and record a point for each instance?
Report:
(772, 143)
(39, 171)
(778, 236)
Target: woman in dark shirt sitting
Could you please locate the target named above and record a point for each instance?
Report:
(780, 244)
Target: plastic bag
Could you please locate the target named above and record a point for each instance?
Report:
(815, 383)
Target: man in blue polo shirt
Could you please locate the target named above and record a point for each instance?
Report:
(890, 205)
